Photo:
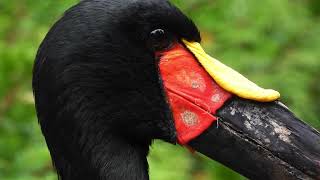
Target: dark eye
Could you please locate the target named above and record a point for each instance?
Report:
(159, 40)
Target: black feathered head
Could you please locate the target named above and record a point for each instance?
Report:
(97, 86)
(112, 75)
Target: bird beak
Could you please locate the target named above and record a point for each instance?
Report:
(197, 85)
(221, 114)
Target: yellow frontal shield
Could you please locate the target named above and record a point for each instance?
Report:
(229, 79)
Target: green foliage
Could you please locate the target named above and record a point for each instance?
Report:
(276, 43)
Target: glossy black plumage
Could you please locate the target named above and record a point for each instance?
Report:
(98, 94)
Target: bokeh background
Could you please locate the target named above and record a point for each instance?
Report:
(276, 43)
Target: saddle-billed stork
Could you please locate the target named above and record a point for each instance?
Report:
(113, 75)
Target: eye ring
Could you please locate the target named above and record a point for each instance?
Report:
(157, 34)
(159, 40)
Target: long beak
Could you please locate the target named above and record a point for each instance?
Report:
(223, 115)
(261, 141)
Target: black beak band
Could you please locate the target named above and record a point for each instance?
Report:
(262, 141)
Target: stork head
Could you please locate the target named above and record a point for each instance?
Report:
(113, 75)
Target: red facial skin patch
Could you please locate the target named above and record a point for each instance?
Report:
(194, 97)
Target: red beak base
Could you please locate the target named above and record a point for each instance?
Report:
(194, 97)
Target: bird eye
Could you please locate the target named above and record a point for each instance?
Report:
(159, 40)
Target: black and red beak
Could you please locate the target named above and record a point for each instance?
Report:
(197, 85)
(256, 135)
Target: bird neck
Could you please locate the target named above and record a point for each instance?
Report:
(112, 158)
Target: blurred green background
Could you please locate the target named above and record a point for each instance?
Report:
(276, 43)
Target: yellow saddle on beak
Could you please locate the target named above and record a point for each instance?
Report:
(229, 79)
